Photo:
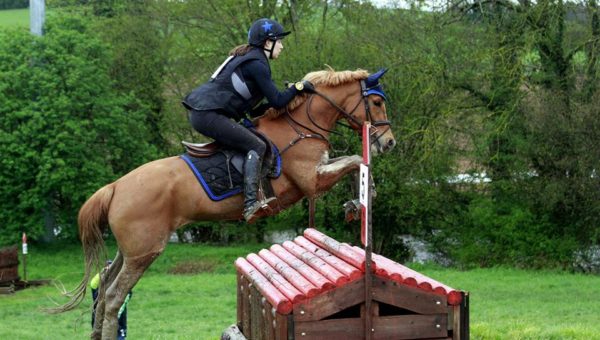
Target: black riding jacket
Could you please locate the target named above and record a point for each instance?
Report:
(242, 83)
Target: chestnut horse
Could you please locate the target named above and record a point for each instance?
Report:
(144, 207)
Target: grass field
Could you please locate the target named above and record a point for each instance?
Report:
(505, 303)
(14, 17)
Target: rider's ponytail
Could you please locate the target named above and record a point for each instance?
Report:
(240, 50)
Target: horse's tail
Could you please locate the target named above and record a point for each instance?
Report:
(92, 220)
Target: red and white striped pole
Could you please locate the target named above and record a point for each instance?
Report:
(366, 232)
(24, 250)
(365, 186)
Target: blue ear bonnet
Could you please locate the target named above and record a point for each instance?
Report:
(372, 83)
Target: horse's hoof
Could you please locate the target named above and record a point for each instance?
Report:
(251, 218)
(95, 335)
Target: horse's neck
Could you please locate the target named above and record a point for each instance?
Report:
(323, 117)
(318, 114)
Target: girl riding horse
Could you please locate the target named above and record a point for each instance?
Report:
(236, 87)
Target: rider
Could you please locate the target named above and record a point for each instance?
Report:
(236, 88)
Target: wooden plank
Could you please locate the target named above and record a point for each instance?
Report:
(465, 324)
(240, 301)
(7, 290)
(9, 257)
(256, 323)
(268, 320)
(347, 329)
(19, 284)
(331, 302)
(375, 309)
(8, 274)
(410, 326)
(245, 307)
(368, 278)
(281, 327)
(460, 319)
(384, 328)
(410, 298)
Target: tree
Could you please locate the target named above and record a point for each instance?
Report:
(64, 130)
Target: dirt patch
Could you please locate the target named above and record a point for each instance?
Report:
(193, 267)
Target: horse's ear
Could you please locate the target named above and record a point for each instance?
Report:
(374, 78)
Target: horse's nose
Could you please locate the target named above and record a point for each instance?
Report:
(389, 145)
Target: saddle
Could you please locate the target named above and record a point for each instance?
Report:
(220, 170)
(201, 150)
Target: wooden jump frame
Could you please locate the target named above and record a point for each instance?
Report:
(317, 288)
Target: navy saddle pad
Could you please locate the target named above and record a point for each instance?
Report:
(221, 174)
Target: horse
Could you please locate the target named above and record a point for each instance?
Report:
(144, 207)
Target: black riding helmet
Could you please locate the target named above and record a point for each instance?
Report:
(265, 29)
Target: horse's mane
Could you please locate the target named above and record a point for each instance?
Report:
(327, 78)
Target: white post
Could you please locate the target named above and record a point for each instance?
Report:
(24, 238)
(366, 196)
(37, 14)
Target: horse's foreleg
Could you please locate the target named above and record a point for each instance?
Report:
(132, 271)
(330, 171)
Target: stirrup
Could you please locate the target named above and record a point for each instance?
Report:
(259, 209)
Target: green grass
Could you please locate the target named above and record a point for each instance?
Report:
(14, 17)
(505, 303)
(518, 304)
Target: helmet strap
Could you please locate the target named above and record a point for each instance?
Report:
(271, 49)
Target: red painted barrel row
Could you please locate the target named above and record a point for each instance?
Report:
(308, 288)
(383, 266)
(294, 271)
(402, 274)
(279, 301)
(345, 268)
(341, 250)
(311, 264)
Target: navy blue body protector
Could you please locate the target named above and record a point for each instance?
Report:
(227, 90)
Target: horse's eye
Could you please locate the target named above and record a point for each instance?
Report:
(377, 103)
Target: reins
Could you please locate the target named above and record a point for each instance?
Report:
(349, 117)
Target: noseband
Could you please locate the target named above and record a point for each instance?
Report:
(354, 124)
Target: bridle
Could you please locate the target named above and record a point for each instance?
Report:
(353, 122)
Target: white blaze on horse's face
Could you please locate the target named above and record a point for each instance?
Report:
(382, 138)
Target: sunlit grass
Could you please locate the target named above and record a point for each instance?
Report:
(14, 17)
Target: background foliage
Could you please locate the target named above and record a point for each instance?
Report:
(65, 131)
(11, 4)
(504, 92)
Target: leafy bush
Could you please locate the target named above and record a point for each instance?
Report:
(64, 131)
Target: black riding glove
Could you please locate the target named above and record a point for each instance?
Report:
(305, 86)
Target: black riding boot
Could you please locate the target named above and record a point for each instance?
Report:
(251, 180)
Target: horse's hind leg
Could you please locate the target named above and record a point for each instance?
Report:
(132, 271)
(107, 279)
